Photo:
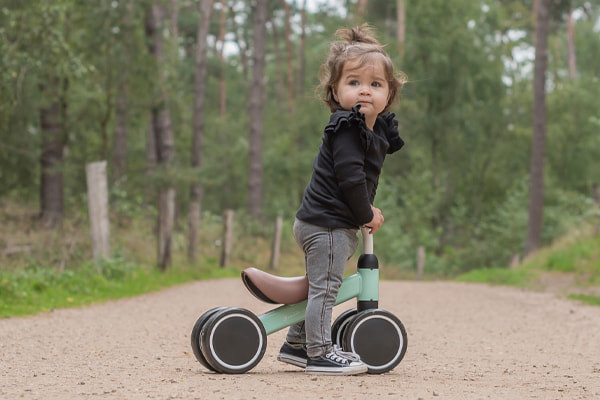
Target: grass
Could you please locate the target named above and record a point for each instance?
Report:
(498, 276)
(576, 257)
(38, 289)
(586, 298)
(42, 270)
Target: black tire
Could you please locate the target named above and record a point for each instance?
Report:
(233, 341)
(196, 345)
(340, 324)
(378, 337)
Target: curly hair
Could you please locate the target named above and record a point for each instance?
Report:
(356, 44)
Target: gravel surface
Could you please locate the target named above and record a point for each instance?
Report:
(465, 341)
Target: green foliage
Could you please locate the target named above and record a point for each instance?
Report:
(46, 269)
(497, 276)
(459, 187)
(500, 234)
(39, 288)
(582, 257)
(586, 298)
(573, 142)
(575, 257)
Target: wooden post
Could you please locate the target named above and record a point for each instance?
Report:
(97, 189)
(166, 220)
(193, 224)
(515, 261)
(596, 195)
(420, 262)
(227, 238)
(276, 244)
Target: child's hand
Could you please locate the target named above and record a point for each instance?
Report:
(377, 220)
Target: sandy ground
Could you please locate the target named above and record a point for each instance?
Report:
(464, 342)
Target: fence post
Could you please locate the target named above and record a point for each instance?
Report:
(596, 195)
(166, 221)
(275, 250)
(227, 238)
(420, 262)
(97, 190)
(515, 261)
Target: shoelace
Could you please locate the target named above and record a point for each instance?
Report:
(340, 356)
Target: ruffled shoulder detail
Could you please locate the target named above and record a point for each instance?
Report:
(346, 119)
(391, 132)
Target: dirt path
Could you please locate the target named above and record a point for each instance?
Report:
(464, 342)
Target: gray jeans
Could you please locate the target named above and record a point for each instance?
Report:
(326, 252)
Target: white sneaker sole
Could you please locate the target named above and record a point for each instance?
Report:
(289, 359)
(351, 370)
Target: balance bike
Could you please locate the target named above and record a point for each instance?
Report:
(233, 340)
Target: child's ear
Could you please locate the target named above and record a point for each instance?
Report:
(334, 94)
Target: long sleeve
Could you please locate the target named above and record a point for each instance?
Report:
(349, 161)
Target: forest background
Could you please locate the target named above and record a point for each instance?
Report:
(202, 106)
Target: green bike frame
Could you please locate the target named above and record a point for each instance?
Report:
(364, 285)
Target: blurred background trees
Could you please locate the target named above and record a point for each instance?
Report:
(199, 113)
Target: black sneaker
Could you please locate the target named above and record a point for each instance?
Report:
(336, 362)
(294, 354)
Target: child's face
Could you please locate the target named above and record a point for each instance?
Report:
(365, 86)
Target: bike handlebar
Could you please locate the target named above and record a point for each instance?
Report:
(367, 240)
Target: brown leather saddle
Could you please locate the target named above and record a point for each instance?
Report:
(275, 289)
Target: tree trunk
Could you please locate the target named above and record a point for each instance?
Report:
(166, 196)
(199, 97)
(120, 140)
(401, 26)
(107, 113)
(301, 52)
(256, 111)
(166, 221)
(534, 17)
(222, 81)
(150, 146)
(280, 87)
(538, 142)
(222, 133)
(119, 167)
(174, 21)
(300, 138)
(571, 45)
(289, 57)
(436, 180)
(51, 188)
(163, 135)
(361, 9)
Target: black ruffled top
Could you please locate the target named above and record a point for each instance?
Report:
(346, 170)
